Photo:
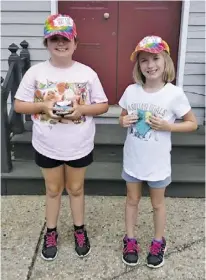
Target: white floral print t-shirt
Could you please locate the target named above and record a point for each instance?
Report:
(62, 141)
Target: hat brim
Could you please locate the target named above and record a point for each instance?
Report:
(149, 50)
(60, 33)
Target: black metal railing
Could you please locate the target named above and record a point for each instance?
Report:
(12, 122)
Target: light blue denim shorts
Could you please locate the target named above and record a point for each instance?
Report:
(152, 184)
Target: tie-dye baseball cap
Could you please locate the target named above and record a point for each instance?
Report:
(60, 25)
(151, 44)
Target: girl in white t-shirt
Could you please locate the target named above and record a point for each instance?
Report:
(149, 109)
(62, 95)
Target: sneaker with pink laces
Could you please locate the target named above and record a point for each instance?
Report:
(130, 251)
(155, 258)
(49, 249)
(82, 244)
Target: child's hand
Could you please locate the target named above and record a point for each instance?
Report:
(48, 107)
(76, 114)
(128, 120)
(158, 124)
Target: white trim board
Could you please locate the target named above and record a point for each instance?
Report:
(54, 7)
(182, 42)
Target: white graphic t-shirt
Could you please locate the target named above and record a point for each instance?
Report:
(146, 151)
(51, 138)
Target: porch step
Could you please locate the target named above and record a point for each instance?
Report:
(114, 134)
(104, 175)
(103, 178)
(109, 140)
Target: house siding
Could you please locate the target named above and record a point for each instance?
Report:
(194, 74)
(23, 20)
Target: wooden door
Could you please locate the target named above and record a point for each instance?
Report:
(106, 44)
(98, 39)
(138, 19)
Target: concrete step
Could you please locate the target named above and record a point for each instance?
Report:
(104, 178)
(114, 134)
(109, 140)
(114, 153)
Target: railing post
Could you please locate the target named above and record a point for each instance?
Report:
(6, 163)
(17, 125)
(26, 64)
(25, 56)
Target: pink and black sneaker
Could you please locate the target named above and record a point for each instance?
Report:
(155, 258)
(82, 244)
(49, 250)
(130, 251)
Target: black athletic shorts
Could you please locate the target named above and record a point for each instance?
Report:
(45, 162)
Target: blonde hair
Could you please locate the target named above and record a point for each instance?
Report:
(168, 74)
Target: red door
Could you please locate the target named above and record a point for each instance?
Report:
(138, 19)
(98, 39)
(109, 31)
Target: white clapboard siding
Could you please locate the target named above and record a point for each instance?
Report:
(194, 101)
(34, 42)
(195, 89)
(195, 45)
(197, 6)
(194, 69)
(192, 92)
(197, 32)
(194, 74)
(4, 64)
(197, 19)
(35, 54)
(194, 80)
(23, 20)
(25, 6)
(23, 30)
(195, 57)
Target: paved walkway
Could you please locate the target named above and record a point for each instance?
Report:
(23, 225)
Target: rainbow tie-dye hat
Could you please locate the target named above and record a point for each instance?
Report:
(60, 25)
(151, 44)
